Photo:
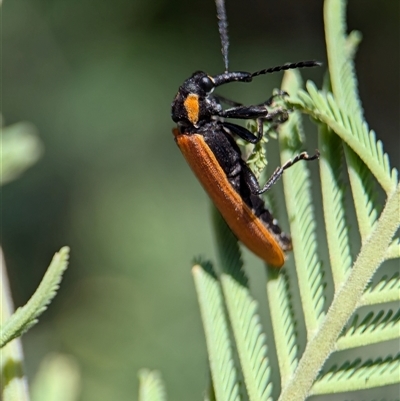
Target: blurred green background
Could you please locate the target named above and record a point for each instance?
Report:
(97, 78)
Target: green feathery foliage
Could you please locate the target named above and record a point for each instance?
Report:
(21, 148)
(151, 386)
(299, 204)
(324, 108)
(386, 290)
(220, 348)
(27, 316)
(242, 309)
(374, 328)
(343, 305)
(356, 375)
(283, 322)
(14, 385)
(334, 204)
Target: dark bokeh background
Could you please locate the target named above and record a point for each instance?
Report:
(97, 79)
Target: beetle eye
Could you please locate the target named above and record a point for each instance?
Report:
(207, 84)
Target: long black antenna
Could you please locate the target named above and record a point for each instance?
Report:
(223, 30)
(288, 66)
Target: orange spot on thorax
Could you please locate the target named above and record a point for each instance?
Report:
(192, 107)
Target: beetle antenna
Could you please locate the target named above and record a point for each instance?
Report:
(223, 30)
(288, 66)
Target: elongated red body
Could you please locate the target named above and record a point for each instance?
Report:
(249, 229)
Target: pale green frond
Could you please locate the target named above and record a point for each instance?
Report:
(333, 191)
(283, 322)
(20, 149)
(357, 376)
(352, 130)
(386, 290)
(340, 51)
(151, 386)
(394, 250)
(58, 379)
(245, 321)
(26, 316)
(297, 183)
(219, 345)
(374, 328)
(364, 192)
(344, 303)
(353, 40)
(13, 382)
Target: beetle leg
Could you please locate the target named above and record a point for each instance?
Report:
(244, 133)
(244, 112)
(279, 171)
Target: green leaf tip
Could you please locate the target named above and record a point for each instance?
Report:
(27, 316)
(151, 386)
(58, 379)
(206, 265)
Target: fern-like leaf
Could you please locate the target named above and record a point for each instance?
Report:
(333, 202)
(13, 382)
(356, 376)
(345, 141)
(353, 40)
(372, 329)
(323, 107)
(26, 316)
(341, 66)
(223, 370)
(245, 321)
(283, 322)
(344, 85)
(387, 290)
(151, 386)
(344, 303)
(296, 181)
(364, 192)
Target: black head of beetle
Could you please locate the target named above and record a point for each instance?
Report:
(195, 105)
